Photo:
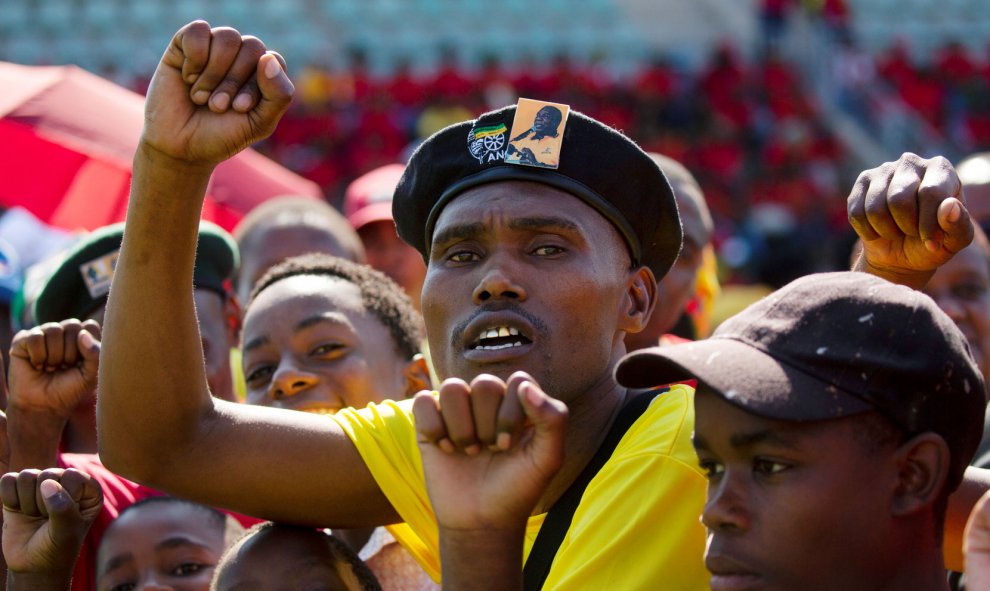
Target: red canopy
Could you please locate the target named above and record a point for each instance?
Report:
(67, 139)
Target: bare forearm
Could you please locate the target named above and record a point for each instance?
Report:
(481, 560)
(38, 581)
(152, 381)
(33, 439)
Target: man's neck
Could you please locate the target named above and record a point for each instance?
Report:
(591, 415)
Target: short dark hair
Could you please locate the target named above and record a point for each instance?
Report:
(338, 550)
(379, 294)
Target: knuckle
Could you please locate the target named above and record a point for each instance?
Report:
(226, 34)
(253, 45)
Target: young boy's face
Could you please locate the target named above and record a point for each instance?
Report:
(287, 559)
(167, 545)
(791, 505)
(309, 344)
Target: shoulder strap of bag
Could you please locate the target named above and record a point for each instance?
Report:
(558, 519)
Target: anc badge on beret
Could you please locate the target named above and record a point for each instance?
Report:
(487, 143)
(537, 133)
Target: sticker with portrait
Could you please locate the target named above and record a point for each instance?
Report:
(537, 133)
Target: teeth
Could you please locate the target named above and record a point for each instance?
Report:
(503, 332)
(497, 347)
(513, 332)
(491, 334)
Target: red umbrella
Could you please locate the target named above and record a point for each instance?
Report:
(67, 139)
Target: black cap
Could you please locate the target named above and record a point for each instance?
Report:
(832, 345)
(598, 165)
(81, 282)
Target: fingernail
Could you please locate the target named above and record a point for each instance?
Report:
(446, 446)
(272, 68)
(931, 245)
(955, 211)
(530, 393)
(242, 102)
(221, 101)
(192, 78)
(201, 96)
(86, 340)
(48, 489)
(503, 441)
(472, 450)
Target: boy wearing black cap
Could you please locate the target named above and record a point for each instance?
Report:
(530, 268)
(841, 412)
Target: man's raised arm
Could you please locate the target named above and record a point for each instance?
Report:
(214, 93)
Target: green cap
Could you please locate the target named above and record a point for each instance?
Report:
(81, 282)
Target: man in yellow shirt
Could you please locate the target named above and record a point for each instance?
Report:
(530, 269)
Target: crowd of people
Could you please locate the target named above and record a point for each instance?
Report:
(748, 130)
(468, 377)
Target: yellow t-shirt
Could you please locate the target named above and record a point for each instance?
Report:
(636, 527)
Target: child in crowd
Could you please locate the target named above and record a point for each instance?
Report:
(323, 333)
(164, 542)
(277, 557)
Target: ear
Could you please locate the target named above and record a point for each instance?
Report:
(922, 468)
(417, 375)
(232, 318)
(641, 298)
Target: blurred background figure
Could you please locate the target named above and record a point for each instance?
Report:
(289, 226)
(368, 207)
(78, 287)
(681, 284)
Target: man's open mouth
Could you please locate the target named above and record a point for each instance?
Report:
(496, 338)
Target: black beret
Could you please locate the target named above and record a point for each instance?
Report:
(598, 165)
(81, 282)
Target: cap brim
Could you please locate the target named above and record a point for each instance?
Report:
(742, 375)
(376, 212)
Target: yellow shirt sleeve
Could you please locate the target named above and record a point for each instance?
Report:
(636, 527)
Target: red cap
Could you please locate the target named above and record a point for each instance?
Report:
(369, 198)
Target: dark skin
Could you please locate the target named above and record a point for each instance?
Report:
(809, 505)
(46, 516)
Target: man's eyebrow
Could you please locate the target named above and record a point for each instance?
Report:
(746, 440)
(178, 541)
(254, 343)
(770, 436)
(457, 232)
(543, 223)
(117, 562)
(319, 319)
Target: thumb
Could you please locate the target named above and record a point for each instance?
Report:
(63, 512)
(956, 225)
(549, 419)
(89, 347)
(276, 90)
